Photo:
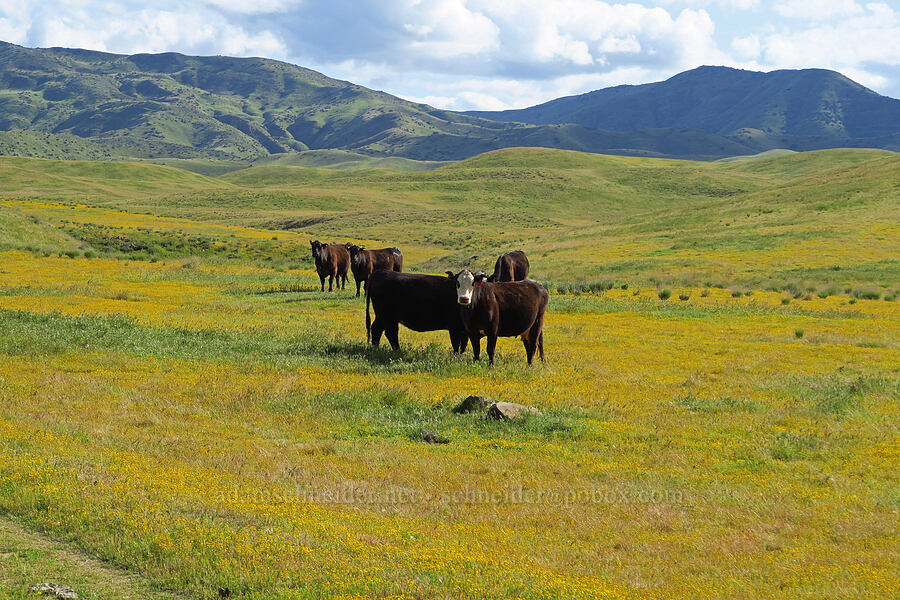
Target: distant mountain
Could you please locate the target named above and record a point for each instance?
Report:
(801, 110)
(70, 103)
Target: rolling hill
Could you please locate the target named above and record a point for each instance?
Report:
(805, 109)
(77, 104)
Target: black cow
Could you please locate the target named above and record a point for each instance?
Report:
(421, 302)
(512, 266)
(332, 261)
(508, 309)
(364, 262)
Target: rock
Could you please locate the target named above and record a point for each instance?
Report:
(507, 411)
(471, 404)
(61, 592)
(430, 437)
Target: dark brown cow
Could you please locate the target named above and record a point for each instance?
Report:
(332, 261)
(512, 266)
(421, 302)
(508, 309)
(363, 262)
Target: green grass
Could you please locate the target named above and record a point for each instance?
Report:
(28, 559)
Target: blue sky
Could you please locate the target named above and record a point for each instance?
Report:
(487, 54)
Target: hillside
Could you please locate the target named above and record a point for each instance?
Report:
(221, 108)
(800, 110)
(825, 219)
(183, 411)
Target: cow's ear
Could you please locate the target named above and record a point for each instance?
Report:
(450, 274)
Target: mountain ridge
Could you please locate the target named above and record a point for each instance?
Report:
(812, 104)
(75, 103)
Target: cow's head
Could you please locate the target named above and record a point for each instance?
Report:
(466, 282)
(354, 250)
(317, 247)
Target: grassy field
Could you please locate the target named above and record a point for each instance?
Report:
(181, 411)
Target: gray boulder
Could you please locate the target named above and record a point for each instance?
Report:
(471, 404)
(508, 411)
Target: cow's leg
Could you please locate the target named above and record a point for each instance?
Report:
(322, 279)
(391, 332)
(357, 288)
(537, 336)
(330, 282)
(491, 345)
(343, 280)
(541, 345)
(454, 341)
(530, 343)
(377, 329)
(476, 346)
(459, 340)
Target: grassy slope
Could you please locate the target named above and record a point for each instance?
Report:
(28, 559)
(193, 419)
(581, 217)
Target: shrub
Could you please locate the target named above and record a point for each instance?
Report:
(785, 300)
(867, 294)
(852, 300)
(665, 294)
(798, 333)
(89, 254)
(890, 298)
(683, 296)
(736, 294)
(748, 293)
(71, 253)
(635, 292)
(823, 294)
(624, 286)
(704, 293)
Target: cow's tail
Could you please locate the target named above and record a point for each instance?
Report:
(368, 318)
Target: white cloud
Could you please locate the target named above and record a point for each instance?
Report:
(254, 7)
(817, 10)
(728, 4)
(847, 43)
(116, 28)
(747, 48)
(447, 28)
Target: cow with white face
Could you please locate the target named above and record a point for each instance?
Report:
(465, 285)
(508, 309)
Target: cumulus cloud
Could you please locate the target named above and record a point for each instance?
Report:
(817, 10)
(175, 26)
(485, 54)
(873, 36)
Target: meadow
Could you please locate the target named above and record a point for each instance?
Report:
(182, 411)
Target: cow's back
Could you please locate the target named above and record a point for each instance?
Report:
(519, 304)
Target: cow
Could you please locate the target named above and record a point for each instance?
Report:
(421, 302)
(332, 261)
(363, 262)
(508, 309)
(512, 266)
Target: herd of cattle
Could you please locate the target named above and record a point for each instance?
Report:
(466, 304)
